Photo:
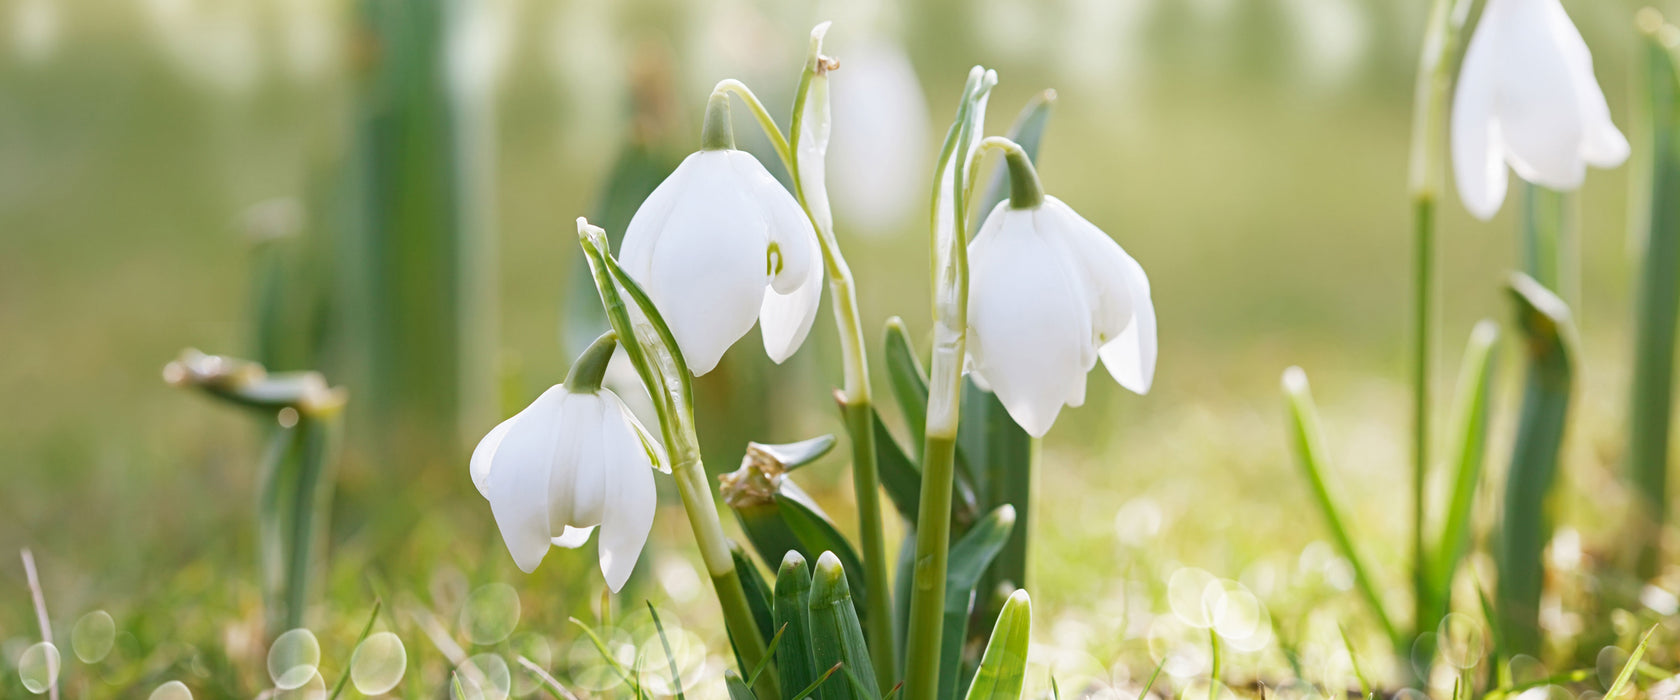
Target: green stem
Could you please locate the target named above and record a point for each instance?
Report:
(591, 365)
(1423, 329)
(716, 133)
(927, 595)
(860, 419)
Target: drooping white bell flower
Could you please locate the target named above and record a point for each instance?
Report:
(574, 460)
(720, 245)
(1527, 97)
(1048, 295)
(880, 137)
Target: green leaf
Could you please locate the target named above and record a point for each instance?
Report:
(816, 533)
(1655, 189)
(968, 562)
(338, 688)
(899, 476)
(758, 592)
(794, 455)
(1546, 327)
(1626, 676)
(1028, 132)
(909, 380)
(793, 615)
(1004, 455)
(1474, 393)
(738, 689)
(1307, 436)
(1003, 668)
(836, 635)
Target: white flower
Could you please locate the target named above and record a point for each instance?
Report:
(1526, 96)
(720, 245)
(569, 462)
(1049, 293)
(880, 137)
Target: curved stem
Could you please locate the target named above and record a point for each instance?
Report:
(765, 121)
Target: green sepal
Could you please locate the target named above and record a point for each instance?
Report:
(1003, 668)
(836, 635)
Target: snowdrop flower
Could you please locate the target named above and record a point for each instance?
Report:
(880, 137)
(1526, 96)
(720, 245)
(1048, 295)
(573, 460)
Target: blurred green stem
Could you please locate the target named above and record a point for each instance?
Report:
(1657, 188)
(1546, 236)
(1429, 117)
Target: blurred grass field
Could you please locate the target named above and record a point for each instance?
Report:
(1249, 153)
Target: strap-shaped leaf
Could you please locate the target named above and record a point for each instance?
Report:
(1474, 394)
(794, 455)
(738, 689)
(969, 559)
(836, 635)
(1003, 669)
(816, 533)
(1547, 332)
(909, 380)
(758, 592)
(793, 616)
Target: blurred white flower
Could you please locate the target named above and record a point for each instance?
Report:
(1527, 96)
(1049, 293)
(880, 136)
(569, 462)
(720, 245)
(37, 26)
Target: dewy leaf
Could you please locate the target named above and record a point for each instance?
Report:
(1003, 668)
(969, 559)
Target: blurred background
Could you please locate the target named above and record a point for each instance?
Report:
(392, 184)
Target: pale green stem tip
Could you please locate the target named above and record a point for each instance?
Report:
(716, 133)
(591, 366)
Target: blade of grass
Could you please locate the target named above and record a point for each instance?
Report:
(40, 602)
(343, 678)
(670, 658)
(1307, 436)
(1624, 678)
(549, 682)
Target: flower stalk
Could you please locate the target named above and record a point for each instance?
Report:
(652, 350)
(1427, 166)
(949, 239)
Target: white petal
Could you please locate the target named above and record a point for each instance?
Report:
(647, 225)
(1478, 155)
(1537, 102)
(578, 487)
(574, 537)
(1603, 145)
(485, 454)
(785, 319)
(518, 483)
(787, 228)
(1130, 357)
(630, 501)
(707, 272)
(1029, 322)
